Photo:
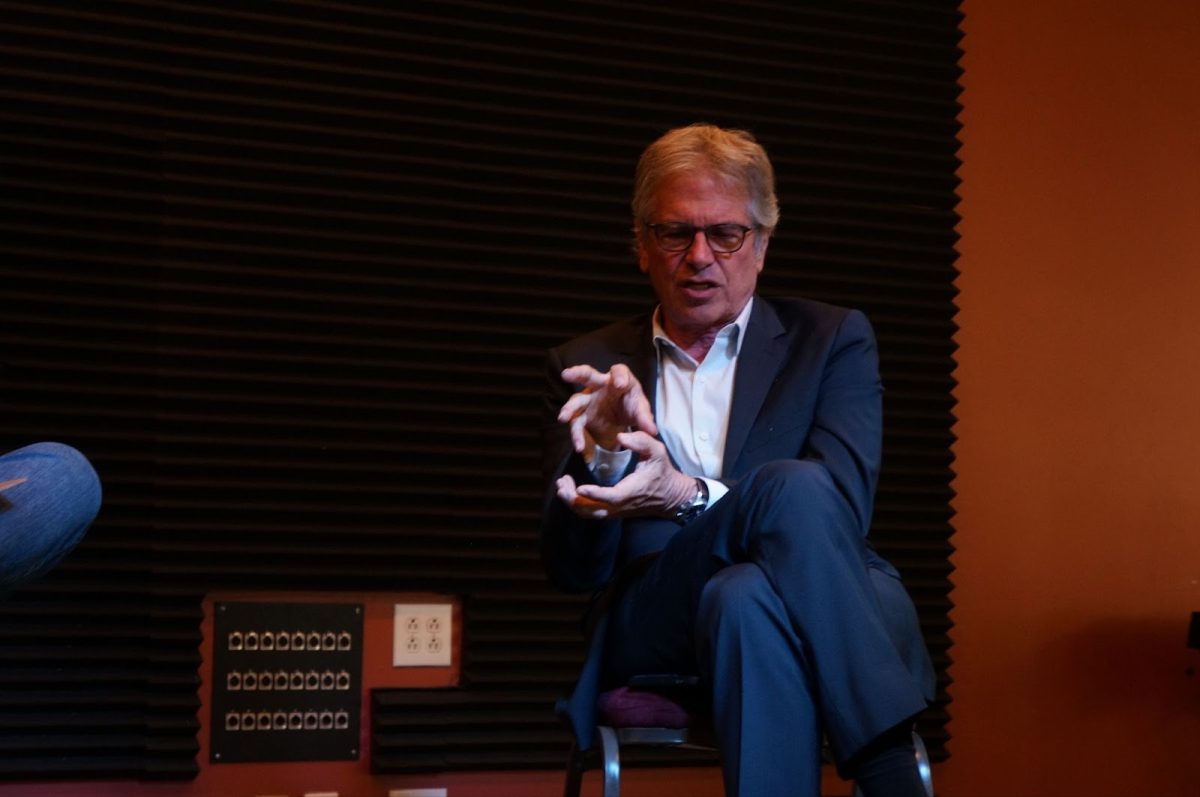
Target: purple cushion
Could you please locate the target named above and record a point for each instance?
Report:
(625, 708)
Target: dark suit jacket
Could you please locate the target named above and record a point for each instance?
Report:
(806, 387)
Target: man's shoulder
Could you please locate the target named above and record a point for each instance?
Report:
(619, 337)
(799, 314)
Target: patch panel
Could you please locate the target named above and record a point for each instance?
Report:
(285, 681)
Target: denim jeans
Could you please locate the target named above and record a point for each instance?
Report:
(43, 517)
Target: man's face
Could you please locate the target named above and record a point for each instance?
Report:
(700, 290)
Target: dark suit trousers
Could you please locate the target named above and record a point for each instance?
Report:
(774, 598)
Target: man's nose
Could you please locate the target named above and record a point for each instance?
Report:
(700, 254)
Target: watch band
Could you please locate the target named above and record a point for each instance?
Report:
(695, 505)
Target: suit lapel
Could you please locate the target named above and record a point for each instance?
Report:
(637, 351)
(759, 360)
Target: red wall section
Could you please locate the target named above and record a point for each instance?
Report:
(1078, 489)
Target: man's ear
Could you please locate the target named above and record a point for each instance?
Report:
(760, 251)
(643, 260)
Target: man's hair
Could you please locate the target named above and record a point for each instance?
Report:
(734, 155)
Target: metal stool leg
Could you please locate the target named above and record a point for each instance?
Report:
(575, 767)
(611, 749)
(923, 763)
(578, 762)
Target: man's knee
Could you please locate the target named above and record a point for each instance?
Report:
(798, 500)
(62, 482)
(793, 480)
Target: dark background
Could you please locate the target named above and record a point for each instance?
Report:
(286, 273)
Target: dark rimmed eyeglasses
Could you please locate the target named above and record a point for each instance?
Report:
(725, 239)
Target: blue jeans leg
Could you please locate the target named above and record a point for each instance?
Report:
(46, 515)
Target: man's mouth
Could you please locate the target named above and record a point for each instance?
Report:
(698, 289)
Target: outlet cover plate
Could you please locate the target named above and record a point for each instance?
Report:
(421, 635)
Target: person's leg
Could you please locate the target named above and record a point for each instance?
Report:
(44, 516)
(788, 519)
(764, 712)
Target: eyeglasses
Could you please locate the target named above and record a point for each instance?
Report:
(725, 239)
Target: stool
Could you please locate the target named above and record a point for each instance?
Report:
(660, 711)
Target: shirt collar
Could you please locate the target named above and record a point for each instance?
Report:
(732, 331)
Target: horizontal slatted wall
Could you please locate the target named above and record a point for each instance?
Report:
(286, 271)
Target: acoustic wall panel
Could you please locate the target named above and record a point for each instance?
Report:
(286, 272)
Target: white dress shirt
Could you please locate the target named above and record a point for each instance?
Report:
(691, 407)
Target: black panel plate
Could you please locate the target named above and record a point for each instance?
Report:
(287, 681)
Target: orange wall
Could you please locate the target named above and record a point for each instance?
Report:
(1078, 459)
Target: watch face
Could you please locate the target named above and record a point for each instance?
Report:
(695, 506)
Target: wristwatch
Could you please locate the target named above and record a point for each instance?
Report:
(694, 505)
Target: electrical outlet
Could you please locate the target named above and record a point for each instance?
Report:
(421, 637)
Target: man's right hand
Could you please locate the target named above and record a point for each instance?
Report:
(608, 404)
(655, 487)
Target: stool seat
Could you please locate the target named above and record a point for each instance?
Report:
(628, 707)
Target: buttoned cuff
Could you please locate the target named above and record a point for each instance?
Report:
(716, 491)
(607, 466)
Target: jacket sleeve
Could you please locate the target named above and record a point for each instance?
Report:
(579, 555)
(847, 426)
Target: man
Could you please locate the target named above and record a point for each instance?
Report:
(711, 469)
